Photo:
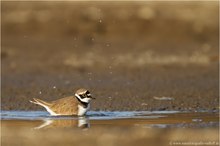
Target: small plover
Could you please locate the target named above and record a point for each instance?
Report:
(80, 122)
(76, 105)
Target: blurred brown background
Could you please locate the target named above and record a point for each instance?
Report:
(125, 52)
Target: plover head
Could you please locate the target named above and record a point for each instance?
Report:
(84, 95)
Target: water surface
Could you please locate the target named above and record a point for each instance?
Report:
(110, 128)
(159, 119)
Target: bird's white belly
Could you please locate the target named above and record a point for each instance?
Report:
(82, 110)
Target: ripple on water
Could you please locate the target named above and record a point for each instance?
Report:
(94, 115)
(145, 119)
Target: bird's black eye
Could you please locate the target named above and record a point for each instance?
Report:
(87, 92)
(82, 96)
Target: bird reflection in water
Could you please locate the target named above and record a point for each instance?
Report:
(80, 122)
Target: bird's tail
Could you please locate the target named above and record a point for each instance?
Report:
(40, 102)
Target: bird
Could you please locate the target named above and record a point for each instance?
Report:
(81, 122)
(76, 105)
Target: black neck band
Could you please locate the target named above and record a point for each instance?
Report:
(85, 104)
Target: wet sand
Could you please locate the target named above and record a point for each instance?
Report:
(189, 88)
(110, 136)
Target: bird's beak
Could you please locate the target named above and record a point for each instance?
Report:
(92, 97)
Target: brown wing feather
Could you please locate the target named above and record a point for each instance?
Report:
(65, 106)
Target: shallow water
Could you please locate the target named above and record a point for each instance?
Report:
(93, 115)
(159, 119)
(109, 128)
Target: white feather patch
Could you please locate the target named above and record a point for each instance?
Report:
(82, 110)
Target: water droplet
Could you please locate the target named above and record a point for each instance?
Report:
(144, 104)
(197, 120)
(67, 82)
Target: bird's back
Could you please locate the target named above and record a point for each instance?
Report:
(65, 106)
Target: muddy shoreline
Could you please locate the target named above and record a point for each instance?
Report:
(109, 136)
(190, 88)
